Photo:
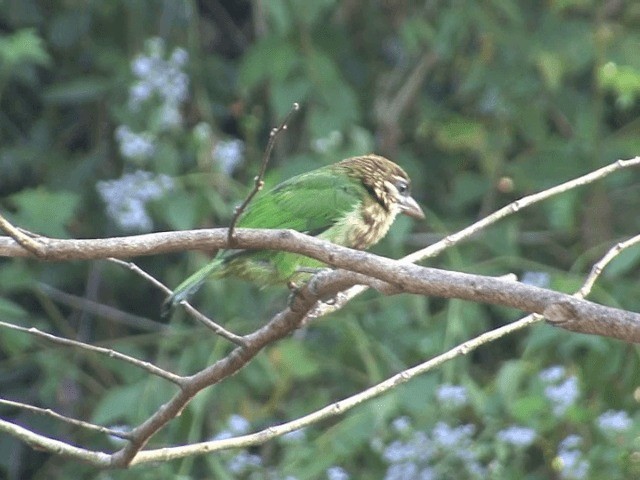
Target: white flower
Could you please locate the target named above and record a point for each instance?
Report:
(138, 146)
(452, 395)
(614, 421)
(244, 461)
(125, 198)
(572, 465)
(517, 436)
(337, 473)
(228, 154)
(552, 374)
(238, 424)
(401, 424)
(563, 395)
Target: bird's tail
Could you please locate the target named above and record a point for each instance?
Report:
(189, 286)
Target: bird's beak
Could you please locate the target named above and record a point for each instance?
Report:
(410, 207)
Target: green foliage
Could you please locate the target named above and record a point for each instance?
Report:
(124, 117)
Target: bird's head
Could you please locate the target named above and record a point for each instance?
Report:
(388, 184)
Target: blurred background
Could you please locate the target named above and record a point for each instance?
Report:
(124, 117)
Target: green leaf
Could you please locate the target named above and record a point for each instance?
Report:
(118, 405)
(24, 46)
(551, 68)
(179, 210)
(529, 409)
(11, 309)
(462, 134)
(80, 90)
(43, 211)
(626, 261)
(468, 188)
(271, 58)
(295, 360)
(13, 342)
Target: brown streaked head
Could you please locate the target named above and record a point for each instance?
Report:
(387, 182)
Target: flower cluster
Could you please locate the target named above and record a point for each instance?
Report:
(160, 78)
(517, 436)
(561, 390)
(570, 461)
(452, 396)
(426, 455)
(126, 198)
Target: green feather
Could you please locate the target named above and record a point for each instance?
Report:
(335, 203)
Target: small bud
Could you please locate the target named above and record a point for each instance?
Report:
(505, 185)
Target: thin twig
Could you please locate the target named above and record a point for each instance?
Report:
(26, 241)
(149, 367)
(259, 179)
(79, 423)
(218, 329)
(455, 238)
(41, 442)
(598, 267)
(137, 270)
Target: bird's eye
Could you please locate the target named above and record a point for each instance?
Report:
(403, 187)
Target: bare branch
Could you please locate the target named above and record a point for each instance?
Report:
(149, 367)
(339, 408)
(207, 322)
(40, 442)
(215, 327)
(402, 276)
(78, 423)
(27, 242)
(259, 180)
(138, 271)
(335, 409)
(280, 326)
(598, 267)
(453, 239)
(387, 275)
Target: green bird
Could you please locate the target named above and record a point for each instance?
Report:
(350, 203)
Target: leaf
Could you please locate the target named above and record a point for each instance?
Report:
(294, 359)
(271, 58)
(626, 261)
(468, 188)
(461, 134)
(43, 211)
(551, 68)
(529, 409)
(24, 46)
(81, 90)
(118, 405)
(13, 342)
(179, 210)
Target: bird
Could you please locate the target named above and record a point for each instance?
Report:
(351, 203)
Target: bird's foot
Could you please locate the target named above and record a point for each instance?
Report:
(317, 273)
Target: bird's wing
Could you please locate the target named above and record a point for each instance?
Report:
(311, 203)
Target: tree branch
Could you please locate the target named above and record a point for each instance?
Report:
(402, 276)
(149, 367)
